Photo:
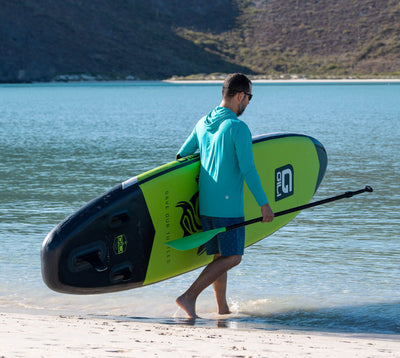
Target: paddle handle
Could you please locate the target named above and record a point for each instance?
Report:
(347, 194)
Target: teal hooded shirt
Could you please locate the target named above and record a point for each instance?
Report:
(226, 157)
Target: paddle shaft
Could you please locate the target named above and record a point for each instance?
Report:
(347, 194)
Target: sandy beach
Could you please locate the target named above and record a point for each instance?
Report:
(25, 335)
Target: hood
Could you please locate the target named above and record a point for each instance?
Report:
(213, 119)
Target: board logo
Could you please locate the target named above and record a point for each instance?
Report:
(190, 221)
(120, 244)
(284, 182)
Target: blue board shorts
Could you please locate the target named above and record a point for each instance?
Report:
(227, 243)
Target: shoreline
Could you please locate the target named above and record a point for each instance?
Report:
(37, 335)
(344, 81)
(294, 81)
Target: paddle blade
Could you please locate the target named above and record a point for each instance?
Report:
(195, 240)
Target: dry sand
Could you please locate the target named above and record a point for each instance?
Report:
(25, 335)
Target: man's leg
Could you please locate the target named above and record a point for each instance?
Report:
(219, 286)
(211, 273)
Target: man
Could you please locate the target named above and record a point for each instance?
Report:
(226, 158)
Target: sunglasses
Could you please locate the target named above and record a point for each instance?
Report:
(249, 94)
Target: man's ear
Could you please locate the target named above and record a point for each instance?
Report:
(240, 96)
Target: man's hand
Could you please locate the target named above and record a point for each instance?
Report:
(267, 213)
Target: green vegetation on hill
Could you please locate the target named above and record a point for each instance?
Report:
(43, 40)
(316, 38)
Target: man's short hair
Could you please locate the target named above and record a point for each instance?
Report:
(234, 83)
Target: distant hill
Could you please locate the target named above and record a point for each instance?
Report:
(46, 40)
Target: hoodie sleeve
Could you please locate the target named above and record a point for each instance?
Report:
(190, 146)
(244, 152)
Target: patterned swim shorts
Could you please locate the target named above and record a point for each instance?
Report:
(227, 243)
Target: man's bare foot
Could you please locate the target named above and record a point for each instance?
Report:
(188, 305)
(224, 311)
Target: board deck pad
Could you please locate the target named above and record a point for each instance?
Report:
(117, 241)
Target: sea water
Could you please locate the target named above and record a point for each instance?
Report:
(335, 267)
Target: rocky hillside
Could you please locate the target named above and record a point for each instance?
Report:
(45, 40)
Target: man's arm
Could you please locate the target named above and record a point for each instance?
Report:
(244, 150)
(190, 146)
(244, 153)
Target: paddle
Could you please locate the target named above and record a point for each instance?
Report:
(200, 238)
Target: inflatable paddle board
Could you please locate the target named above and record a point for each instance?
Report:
(117, 241)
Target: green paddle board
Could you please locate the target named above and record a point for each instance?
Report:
(117, 241)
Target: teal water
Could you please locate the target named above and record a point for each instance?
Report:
(335, 267)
